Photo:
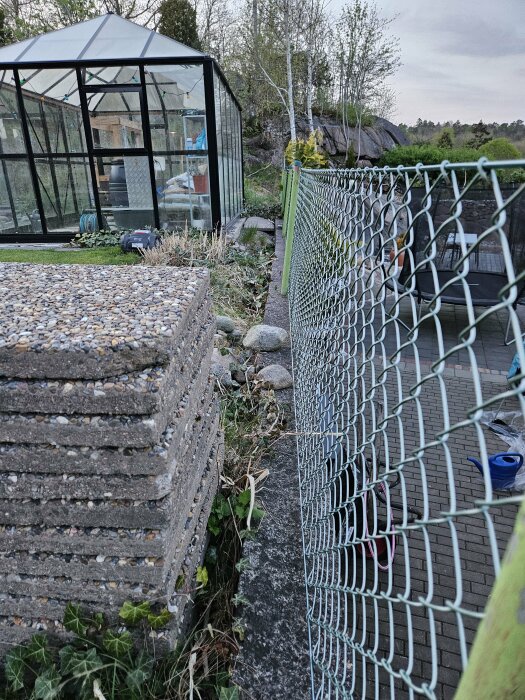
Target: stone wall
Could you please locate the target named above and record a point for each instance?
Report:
(110, 447)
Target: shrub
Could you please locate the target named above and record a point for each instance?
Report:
(97, 239)
(306, 151)
(500, 149)
(428, 155)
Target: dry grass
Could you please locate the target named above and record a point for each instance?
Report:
(189, 248)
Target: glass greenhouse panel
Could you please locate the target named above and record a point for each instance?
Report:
(11, 135)
(50, 46)
(116, 119)
(124, 187)
(18, 207)
(113, 75)
(66, 190)
(176, 107)
(183, 191)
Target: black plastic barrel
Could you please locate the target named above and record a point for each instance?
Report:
(118, 191)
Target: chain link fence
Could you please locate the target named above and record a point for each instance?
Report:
(405, 290)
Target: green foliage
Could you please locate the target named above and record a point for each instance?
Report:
(73, 620)
(97, 239)
(97, 655)
(202, 576)
(500, 149)
(306, 151)
(480, 135)
(234, 506)
(446, 138)
(178, 20)
(428, 155)
(351, 157)
(353, 114)
(133, 613)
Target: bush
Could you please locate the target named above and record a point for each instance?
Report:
(306, 151)
(97, 239)
(428, 155)
(500, 149)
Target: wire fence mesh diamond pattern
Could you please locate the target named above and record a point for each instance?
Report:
(405, 291)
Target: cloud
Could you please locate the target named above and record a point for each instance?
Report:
(478, 36)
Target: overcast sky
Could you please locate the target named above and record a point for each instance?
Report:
(462, 59)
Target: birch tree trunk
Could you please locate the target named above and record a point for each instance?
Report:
(309, 91)
(289, 75)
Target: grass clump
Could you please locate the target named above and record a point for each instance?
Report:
(261, 190)
(239, 278)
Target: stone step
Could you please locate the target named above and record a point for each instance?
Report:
(74, 459)
(91, 322)
(141, 392)
(107, 430)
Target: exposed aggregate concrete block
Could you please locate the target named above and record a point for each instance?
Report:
(105, 430)
(110, 446)
(141, 392)
(89, 322)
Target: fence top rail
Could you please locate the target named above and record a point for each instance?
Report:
(483, 164)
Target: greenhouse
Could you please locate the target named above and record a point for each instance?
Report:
(109, 125)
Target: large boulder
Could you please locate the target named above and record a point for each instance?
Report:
(373, 142)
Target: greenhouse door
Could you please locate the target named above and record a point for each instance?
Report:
(118, 136)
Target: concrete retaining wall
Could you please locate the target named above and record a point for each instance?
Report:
(110, 447)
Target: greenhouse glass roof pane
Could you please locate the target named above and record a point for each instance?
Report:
(162, 47)
(105, 37)
(69, 42)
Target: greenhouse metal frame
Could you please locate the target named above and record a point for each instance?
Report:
(100, 139)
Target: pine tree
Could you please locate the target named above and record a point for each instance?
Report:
(178, 20)
(446, 138)
(480, 135)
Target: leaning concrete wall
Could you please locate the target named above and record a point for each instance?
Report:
(110, 447)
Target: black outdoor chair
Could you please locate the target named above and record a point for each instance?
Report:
(487, 274)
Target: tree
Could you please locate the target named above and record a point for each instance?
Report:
(178, 20)
(445, 138)
(6, 33)
(480, 135)
(274, 34)
(365, 57)
(315, 33)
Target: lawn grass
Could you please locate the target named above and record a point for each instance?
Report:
(111, 255)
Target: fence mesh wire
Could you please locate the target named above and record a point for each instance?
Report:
(404, 286)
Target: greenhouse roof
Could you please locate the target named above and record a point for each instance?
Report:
(105, 38)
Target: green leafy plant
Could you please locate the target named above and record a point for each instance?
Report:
(306, 151)
(99, 655)
(97, 239)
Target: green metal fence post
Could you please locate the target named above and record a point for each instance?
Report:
(284, 182)
(496, 667)
(289, 222)
(286, 200)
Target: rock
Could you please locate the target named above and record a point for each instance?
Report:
(265, 338)
(220, 368)
(274, 377)
(225, 324)
(260, 224)
(243, 374)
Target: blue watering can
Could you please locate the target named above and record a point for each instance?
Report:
(503, 468)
